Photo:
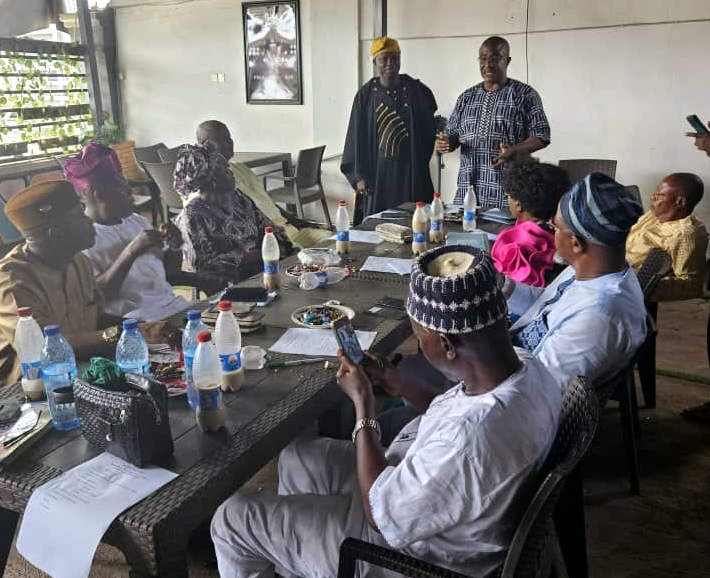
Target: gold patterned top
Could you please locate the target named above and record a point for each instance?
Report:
(685, 240)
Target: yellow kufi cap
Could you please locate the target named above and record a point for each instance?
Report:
(41, 204)
(384, 44)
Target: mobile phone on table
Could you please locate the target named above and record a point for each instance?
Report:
(347, 339)
(250, 294)
(697, 124)
(391, 302)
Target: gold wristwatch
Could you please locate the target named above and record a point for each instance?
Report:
(110, 335)
(367, 422)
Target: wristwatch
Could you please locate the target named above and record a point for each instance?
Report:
(110, 335)
(367, 422)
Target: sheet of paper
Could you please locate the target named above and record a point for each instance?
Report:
(66, 517)
(362, 237)
(387, 265)
(316, 342)
(453, 209)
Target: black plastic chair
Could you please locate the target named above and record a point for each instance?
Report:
(577, 169)
(169, 155)
(534, 550)
(163, 176)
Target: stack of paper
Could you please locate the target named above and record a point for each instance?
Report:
(316, 342)
(387, 265)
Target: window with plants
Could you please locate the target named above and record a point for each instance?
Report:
(44, 99)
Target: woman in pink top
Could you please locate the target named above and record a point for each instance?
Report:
(524, 251)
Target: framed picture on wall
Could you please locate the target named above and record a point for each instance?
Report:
(272, 52)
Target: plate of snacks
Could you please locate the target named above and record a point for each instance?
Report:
(320, 316)
(299, 269)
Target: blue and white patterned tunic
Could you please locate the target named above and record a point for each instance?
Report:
(482, 120)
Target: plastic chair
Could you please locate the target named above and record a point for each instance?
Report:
(163, 176)
(148, 154)
(577, 169)
(169, 155)
(9, 234)
(9, 187)
(534, 550)
(305, 186)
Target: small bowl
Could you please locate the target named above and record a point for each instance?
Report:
(253, 357)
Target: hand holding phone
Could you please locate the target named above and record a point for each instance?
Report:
(697, 125)
(347, 340)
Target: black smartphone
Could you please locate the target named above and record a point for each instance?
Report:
(392, 303)
(347, 339)
(697, 124)
(251, 294)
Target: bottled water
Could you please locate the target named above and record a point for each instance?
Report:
(131, 349)
(342, 229)
(436, 224)
(419, 227)
(470, 206)
(207, 373)
(59, 372)
(189, 345)
(317, 279)
(229, 347)
(28, 344)
(270, 254)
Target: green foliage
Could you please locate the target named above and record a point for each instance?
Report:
(109, 133)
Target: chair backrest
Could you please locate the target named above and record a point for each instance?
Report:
(48, 176)
(148, 154)
(169, 155)
(9, 187)
(131, 170)
(529, 554)
(635, 192)
(577, 169)
(163, 175)
(308, 167)
(657, 264)
(9, 235)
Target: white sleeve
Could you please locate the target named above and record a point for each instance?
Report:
(587, 344)
(425, 494)
(522, 298)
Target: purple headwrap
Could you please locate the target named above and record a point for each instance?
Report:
(196, 167)
(95, 163)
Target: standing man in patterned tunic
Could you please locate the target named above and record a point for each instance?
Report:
(491, 121)
(389, 140)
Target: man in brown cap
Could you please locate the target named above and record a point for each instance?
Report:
(49, 273)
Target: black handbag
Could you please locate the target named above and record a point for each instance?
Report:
(132, 424)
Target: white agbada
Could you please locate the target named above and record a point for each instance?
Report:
(593, 330)
(449, 496)
(145, 294)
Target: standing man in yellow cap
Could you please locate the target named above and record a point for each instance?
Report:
(390, 136)
(50, 274)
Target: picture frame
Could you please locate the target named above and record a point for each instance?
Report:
(272, 52)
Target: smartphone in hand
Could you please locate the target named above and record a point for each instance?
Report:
(347, 339)
(697, 124)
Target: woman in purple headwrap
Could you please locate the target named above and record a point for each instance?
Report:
(222, 227)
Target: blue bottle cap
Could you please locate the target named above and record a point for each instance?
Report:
(194, 315)
(50, 330)
(130, 324)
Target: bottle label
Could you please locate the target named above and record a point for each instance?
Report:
(343, 236)
(231, 362)
(271, 267)
(437, 225)
(322, 277)
(469, 216)
(32, 370)
(419, 238)
(210, 399)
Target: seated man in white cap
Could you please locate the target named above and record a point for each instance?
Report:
(446, 489)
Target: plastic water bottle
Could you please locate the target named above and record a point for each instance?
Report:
(189, 345)
(207, 373)
(28, 344)
(470, 207)
(270, 254)
(342, 229)
(131, 349)
(419, 227)
(229, 347)
(317, 279)
(59, 372)
(436, 223)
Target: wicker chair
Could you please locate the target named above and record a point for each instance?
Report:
(305, 186)
(137, 179)
(162, 175)
(169, 155)
(577, 169)
(534, 549)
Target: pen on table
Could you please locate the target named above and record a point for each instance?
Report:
(295, 362)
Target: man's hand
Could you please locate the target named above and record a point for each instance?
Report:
(505, 151)
(442, 143)
(146, 241)
(158, 332)
(353, 380)
(702, 140)
(362, 187)
(171, 235)
(383, 374)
